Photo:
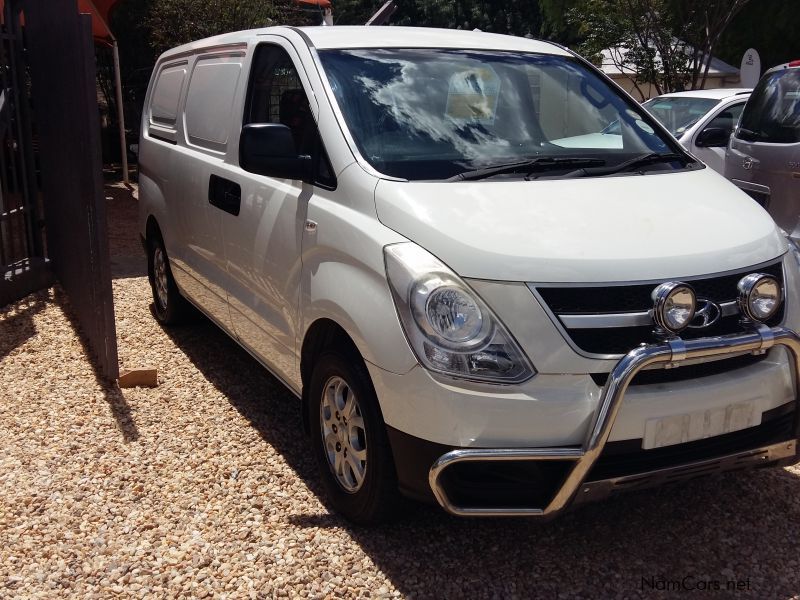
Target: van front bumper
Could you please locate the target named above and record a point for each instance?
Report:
(566, 470)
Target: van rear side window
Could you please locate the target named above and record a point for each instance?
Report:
(209, 101)
(166, 95)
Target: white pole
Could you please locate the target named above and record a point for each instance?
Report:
(120, 114)
(118, 94)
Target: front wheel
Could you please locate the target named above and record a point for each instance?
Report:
(349, 440)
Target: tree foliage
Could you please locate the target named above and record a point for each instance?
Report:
(669, 43)
(174, 22)
(146, 28)
(769, 26)
(515, 17)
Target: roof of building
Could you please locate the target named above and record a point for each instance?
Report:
(610, 66)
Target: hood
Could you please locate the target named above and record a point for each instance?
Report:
(601, 229)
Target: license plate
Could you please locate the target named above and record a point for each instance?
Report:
(679, 429)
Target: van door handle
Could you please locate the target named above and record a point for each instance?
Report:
(225, 194)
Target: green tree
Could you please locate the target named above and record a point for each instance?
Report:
(515, 17)
(769, 26)
(146, 28)
(668, 43)
(175, 22)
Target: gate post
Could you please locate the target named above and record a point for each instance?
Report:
(61, 51)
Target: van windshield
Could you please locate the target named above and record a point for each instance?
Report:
(437, 113)
(772, 113)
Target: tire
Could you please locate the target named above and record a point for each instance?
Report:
(346, 449)
(169, 307)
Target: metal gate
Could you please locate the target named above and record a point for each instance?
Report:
(21, 247)
(52, 167)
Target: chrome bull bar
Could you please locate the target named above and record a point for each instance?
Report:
(672, 352)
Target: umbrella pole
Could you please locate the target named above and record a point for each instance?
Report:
(120, 114)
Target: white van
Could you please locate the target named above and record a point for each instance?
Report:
(480, 297)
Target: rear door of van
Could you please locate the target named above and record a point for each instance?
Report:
(206, 123)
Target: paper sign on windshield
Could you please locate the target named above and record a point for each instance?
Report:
(473, 95)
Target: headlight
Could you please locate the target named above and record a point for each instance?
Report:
(759, 296)
(673, 306)
(449, 328)
(449, 314)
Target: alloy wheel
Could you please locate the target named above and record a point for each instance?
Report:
(343, 435)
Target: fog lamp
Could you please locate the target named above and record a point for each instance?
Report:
(673, 306)
(759, 297)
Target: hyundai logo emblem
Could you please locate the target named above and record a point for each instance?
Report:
(706, 315)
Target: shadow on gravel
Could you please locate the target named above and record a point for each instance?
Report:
(119, 407)
(19, 327)
(740, 528)
(262, 399)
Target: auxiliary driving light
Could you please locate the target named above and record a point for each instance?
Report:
(673, 306)
(759, 296)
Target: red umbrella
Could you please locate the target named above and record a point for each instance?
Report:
(314, 3)
(99, 9)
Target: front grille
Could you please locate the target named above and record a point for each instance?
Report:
(684, 373)
(627, 457)
(623, 298)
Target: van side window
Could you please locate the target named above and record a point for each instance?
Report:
(276, 95)
(164, 102)
(209, 101)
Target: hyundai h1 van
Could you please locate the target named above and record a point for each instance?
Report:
(483, 295)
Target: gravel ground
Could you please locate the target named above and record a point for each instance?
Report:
(204, 487)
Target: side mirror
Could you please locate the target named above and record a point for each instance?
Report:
(713, 137)
(269, 149)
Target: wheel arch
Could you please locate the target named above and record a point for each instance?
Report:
(323, 334)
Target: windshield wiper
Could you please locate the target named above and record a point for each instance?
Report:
(533, 165)
(633, 163)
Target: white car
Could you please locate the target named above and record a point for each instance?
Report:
(477, 302)
(701, 120)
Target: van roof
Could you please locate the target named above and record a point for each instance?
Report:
(361, 36)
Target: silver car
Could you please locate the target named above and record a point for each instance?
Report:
(701, 120)
(763, 157)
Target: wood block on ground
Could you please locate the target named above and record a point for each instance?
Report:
(145, 377)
